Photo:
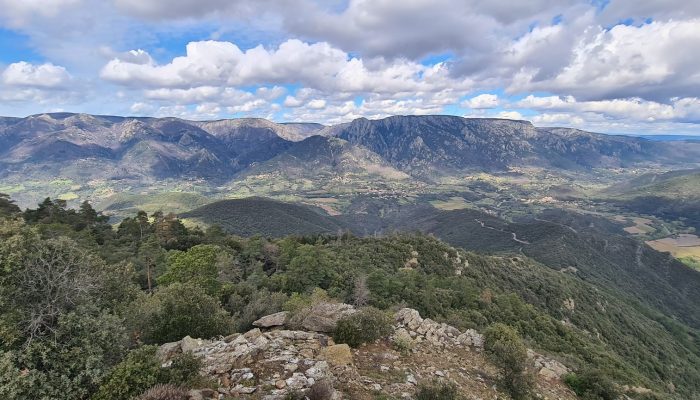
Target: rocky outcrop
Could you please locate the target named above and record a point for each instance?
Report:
(273, 320)
(323, 317)
(546, 367)
(272, 364)
(409, 323)
(277, 361)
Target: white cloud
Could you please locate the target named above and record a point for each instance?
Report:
(210, 109)
(292, 101)
(317, 66)
(510, 115)
(270, 93)
(43, 86)
(482, 101)
(652, 61)
(248, 106)
(24, 74)
(141, 108)
(317, 104)
(20, 13)
(633, 109)
(561, 119)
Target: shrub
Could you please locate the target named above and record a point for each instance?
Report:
(260, 303)
(592, 384)
(70, 364)
(141, 370)
(403, 342)
(176, 311)
(506, 349)
(136, 373)
(295, 395)
(321, 390)
(366, 325)
(299, 305)
(164, 392)
(437, 390)
(183, 370)
(198, 265)
(297, 302)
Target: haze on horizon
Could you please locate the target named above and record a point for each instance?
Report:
(609, 66)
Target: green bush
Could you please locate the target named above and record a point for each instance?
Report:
(592, 384)
(184, 370)
(437, 390)
(176, 311)
(68, 365)
(198, 265)
(246, 308)
(403, 343)
(141, 370)
(506, 349)
(366, 325)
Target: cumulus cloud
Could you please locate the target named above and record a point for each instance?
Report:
(685, 109)
(651, 61)
(188, 9)
(43, 86)
(482, 101)
(45, 76)
(20, 13)
(215, 72)
(318, 66)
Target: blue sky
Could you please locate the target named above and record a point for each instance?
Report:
(616, 66)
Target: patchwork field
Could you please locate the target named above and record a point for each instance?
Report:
(685, 247)
(641, 225)
(454, 203)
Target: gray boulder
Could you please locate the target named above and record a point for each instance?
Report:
(323, 317)
(272, 320)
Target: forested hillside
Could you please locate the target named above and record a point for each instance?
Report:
(671, 195)
(260, 216)
(83, 301)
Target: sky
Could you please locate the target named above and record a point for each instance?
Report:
(615, 66)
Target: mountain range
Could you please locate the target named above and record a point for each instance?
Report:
(425, 147)
(550, 203)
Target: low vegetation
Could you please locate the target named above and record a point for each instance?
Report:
(592, 384)
(507, 351)
(365, 326)
(438, 390)
(151, 280)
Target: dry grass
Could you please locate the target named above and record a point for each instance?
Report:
(454, 203)
(641, 225)
(683, 246)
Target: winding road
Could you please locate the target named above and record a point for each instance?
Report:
(515, 237)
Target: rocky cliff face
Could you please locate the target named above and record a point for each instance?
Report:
(275, 362)
(419, 145)
(428, 145)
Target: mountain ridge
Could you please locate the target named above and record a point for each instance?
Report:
(100, 154)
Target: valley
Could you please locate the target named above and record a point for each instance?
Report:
(125, 164)
(593, 235)
(349, 200)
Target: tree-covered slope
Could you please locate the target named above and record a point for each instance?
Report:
(591, 248)
(261, 216)
(153, 280)
(674, 196)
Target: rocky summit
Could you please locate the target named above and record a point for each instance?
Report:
(276, 362)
